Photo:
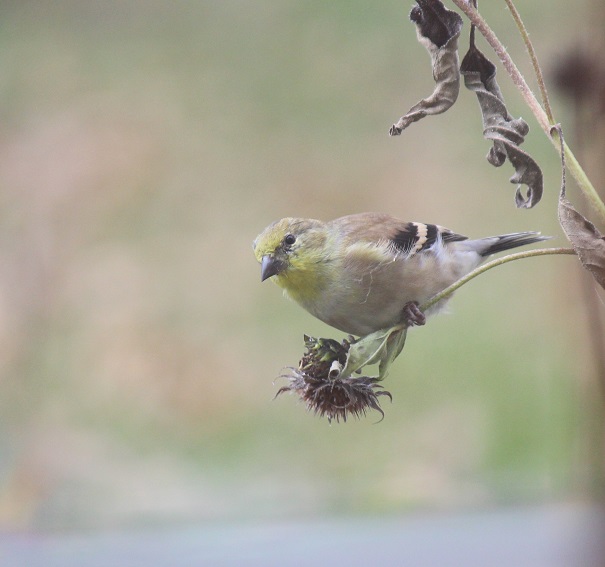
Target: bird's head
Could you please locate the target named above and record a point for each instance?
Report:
(289, 245)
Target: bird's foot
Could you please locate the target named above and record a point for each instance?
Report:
(412, 316)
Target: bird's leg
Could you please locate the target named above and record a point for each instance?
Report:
(412, 316)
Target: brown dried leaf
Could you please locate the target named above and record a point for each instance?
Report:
(506, 132)
(438, 30)
(586, 240)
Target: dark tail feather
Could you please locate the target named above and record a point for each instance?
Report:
(508, 241)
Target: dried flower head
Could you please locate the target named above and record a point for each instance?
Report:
(320, 383)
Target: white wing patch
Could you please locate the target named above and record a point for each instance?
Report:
(421, 235)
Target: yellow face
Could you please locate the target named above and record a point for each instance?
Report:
(289, 245)
(271, 239)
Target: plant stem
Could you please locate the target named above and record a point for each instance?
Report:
(534, 59)
(581, 178)
(485, 267)
(543, 119)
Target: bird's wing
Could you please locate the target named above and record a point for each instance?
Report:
(384, 231)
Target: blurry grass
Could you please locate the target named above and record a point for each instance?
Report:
(144, 148)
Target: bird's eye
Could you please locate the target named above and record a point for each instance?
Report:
(290, 239)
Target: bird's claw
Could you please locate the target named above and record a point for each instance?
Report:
(412, 315)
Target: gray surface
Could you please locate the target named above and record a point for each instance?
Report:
(563, 536)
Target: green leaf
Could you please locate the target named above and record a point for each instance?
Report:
(395, 344)
(379, 347)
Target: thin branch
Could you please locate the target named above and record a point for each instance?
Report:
(581, 178)
(485, 267)
(534, 59)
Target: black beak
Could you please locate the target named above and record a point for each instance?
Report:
(270, 266)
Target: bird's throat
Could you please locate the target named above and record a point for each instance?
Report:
(303, 286)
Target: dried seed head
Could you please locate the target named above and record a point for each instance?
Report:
(318, 382)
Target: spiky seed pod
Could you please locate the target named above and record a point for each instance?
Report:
(319, 384)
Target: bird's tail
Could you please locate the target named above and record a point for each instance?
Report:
(507, 241)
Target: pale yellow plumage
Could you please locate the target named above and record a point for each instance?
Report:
(357, 273)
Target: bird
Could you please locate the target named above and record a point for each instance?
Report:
(370, 271)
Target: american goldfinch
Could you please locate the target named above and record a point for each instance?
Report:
(370, 271)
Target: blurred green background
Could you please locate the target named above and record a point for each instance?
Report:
(144, 145)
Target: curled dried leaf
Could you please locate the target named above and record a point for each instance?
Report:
(438, 30)
(505, 132)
